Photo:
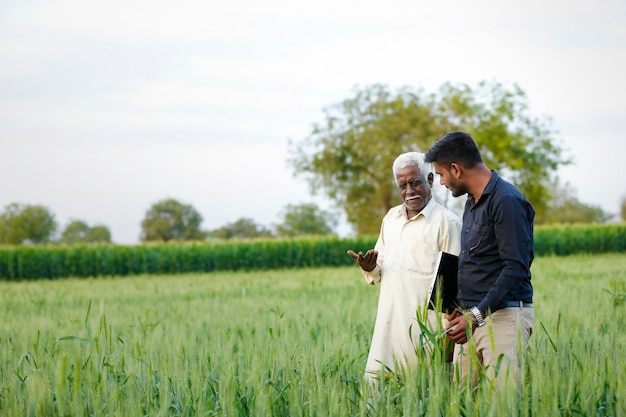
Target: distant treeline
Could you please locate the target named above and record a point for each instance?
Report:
(33, 262)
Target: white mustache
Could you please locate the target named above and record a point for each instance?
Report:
(412, 198)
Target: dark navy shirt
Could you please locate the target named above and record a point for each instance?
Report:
(496, 248)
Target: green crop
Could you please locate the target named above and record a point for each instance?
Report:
(289, 342)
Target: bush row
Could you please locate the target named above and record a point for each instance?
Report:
(31, 262)
(28, 262)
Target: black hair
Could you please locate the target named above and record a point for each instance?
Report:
(457, 147)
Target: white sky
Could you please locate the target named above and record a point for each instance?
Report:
(109, 107)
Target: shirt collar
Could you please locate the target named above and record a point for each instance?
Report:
(491, 185)
(492, 182)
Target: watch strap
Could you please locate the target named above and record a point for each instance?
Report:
(480, 321)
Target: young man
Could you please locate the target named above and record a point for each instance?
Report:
(495, 292)
(403, 261)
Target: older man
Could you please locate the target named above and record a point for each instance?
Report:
(403, 261)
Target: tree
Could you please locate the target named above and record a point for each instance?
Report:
(244, 228)
(565, 207)
(168, 220)
(306, 219)
(24, 223)
(77, 231)
(99, 234)
(349, 155)
(622, 207)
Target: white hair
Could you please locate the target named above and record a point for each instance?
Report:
(411, 159)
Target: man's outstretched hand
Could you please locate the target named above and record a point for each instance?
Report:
(367, 262)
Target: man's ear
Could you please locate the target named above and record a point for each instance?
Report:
(456, 170)
(431, 178)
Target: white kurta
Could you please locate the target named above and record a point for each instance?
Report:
(407, 251)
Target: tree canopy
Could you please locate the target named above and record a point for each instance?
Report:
(169, 219)
(77, 231)
(305, 219)
(349, 155)
(25, 223)
(564, 207)
(243, 228)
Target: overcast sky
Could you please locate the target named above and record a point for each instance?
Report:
(108, 107)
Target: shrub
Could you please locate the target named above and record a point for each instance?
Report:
(29, 262)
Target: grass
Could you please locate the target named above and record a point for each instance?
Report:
(286, 343)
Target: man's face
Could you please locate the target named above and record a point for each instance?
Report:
(448, 179)
(415, 189)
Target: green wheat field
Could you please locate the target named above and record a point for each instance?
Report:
(289, 343)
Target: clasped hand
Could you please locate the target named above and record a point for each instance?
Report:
(457, 326)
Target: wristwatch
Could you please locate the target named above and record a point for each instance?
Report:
(479, 317)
